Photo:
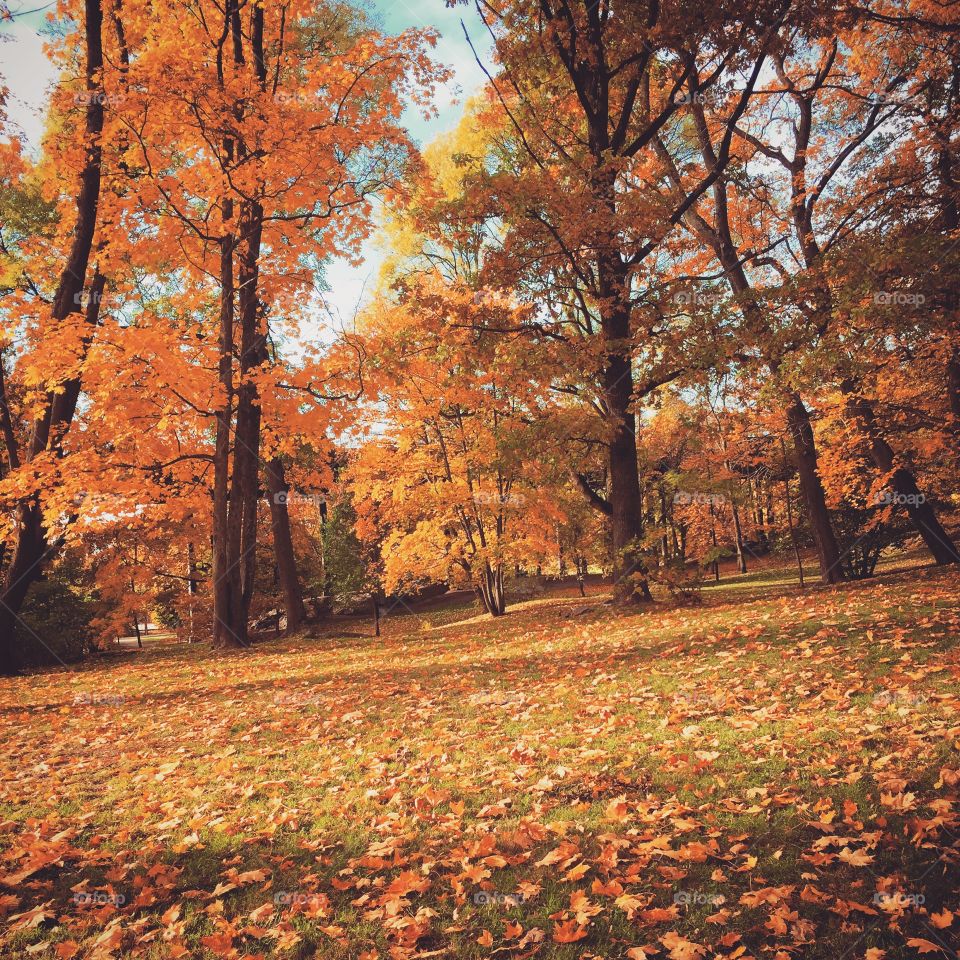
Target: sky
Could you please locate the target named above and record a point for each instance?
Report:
(28, 75)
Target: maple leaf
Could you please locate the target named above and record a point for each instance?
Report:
(568, 931)
(583, 908)
(617, 809)
(681, 948)
(408, 882)
(856, 858)
(924, 946)
(261, 913)
(30, 919)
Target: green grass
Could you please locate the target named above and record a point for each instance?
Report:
(722, 749)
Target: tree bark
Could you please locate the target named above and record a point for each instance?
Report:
(283, 544)
(906, 491)
(491, 590)
(629, 572)
(805, 458)
(226, 580)
(244, 489)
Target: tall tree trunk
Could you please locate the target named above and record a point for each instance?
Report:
(236, 484)
(738, 535)
(953, 387)
(322, 608)
(950, 224)
(283, 544)
(193, 588)
(226, 577)
(629, 572)
(805, 458)
(906, 491)
(664, 541)
(30, 552)
(793, 532)
(953, 395)
(244, 489)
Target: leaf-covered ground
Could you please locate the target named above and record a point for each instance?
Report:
(772, 774)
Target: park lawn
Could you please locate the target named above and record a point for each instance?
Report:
(770, 774)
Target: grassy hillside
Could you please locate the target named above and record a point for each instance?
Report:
(771, 774)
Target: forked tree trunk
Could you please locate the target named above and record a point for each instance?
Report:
(236, 478)
(491, 590)
(720, 238)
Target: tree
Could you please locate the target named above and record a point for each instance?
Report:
(285, 124)
(587, 87)
(450, 486)
(53, 415)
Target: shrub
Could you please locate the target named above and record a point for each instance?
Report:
(55, 624)
(681, 580)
